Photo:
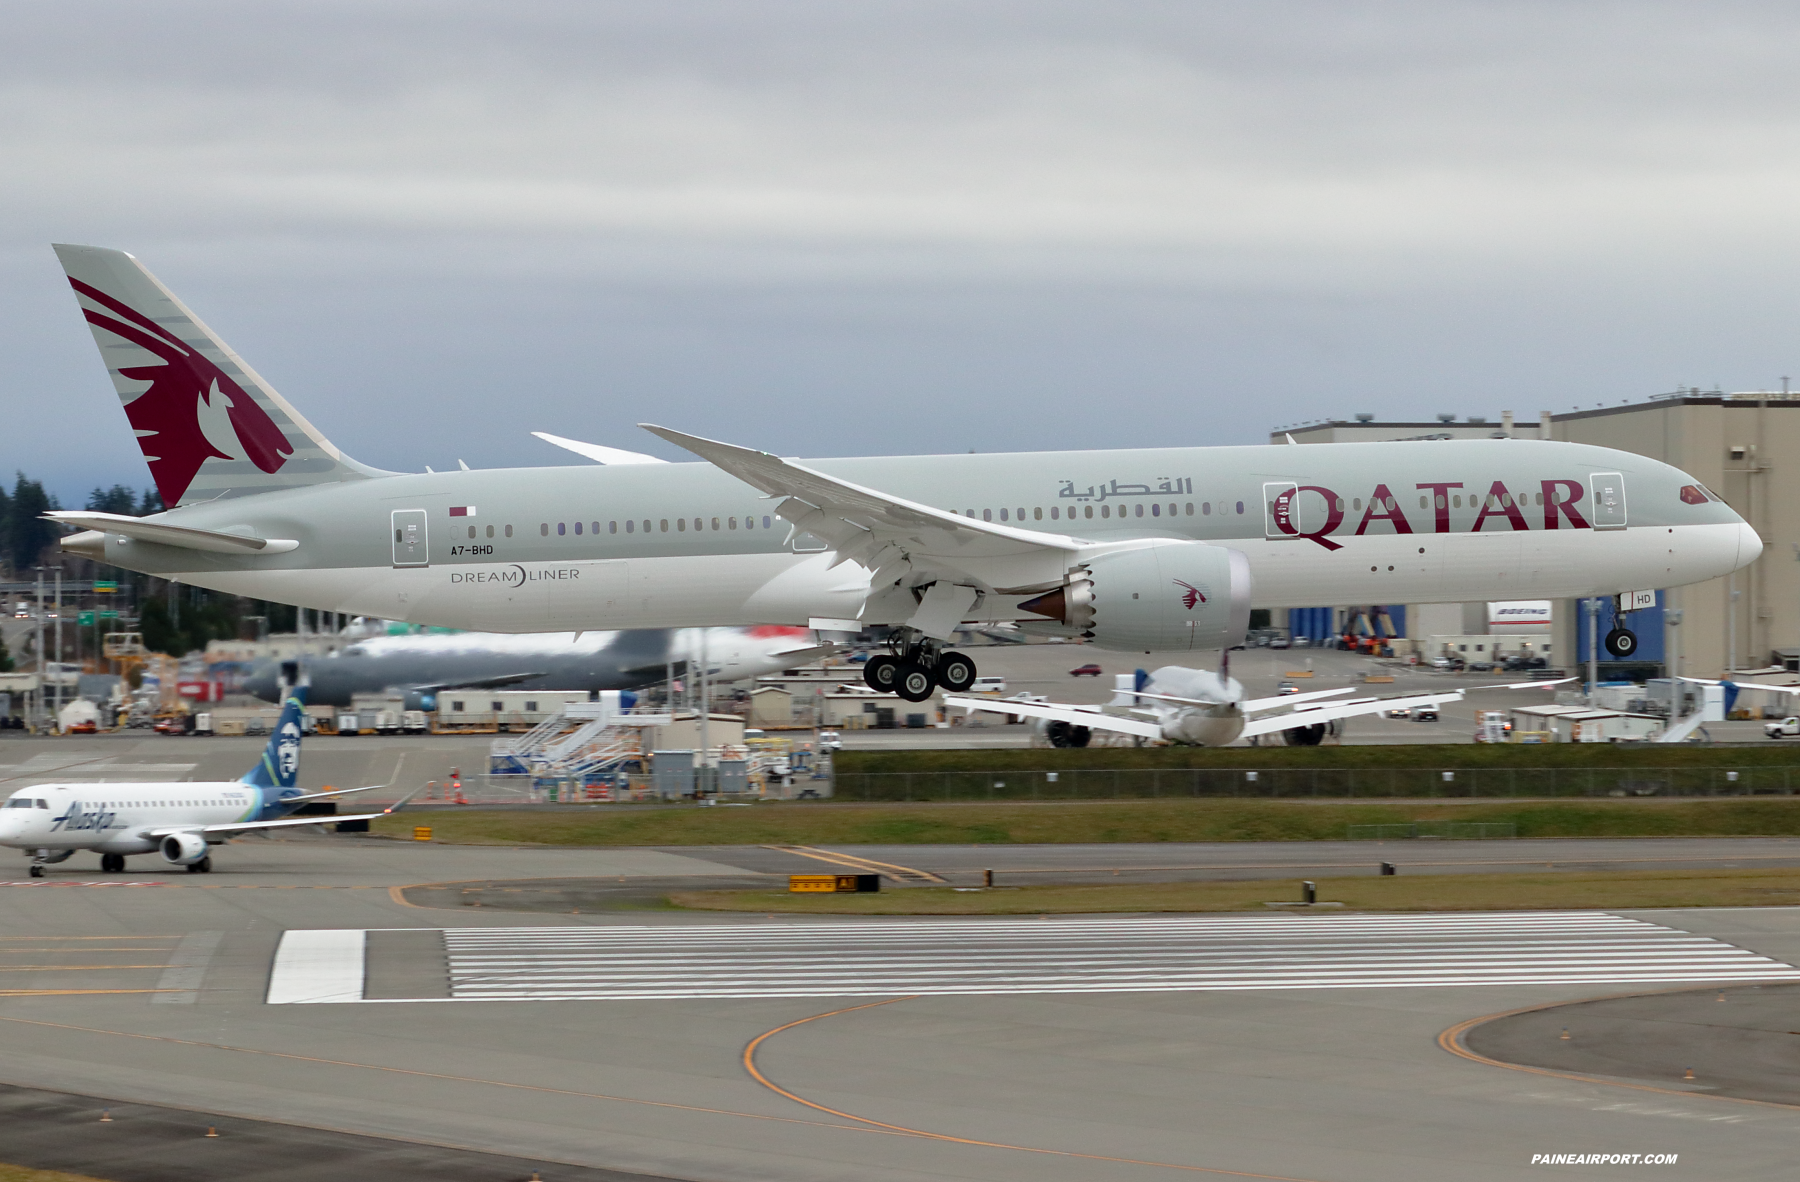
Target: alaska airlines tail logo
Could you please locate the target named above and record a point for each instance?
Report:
(1193, 595)
(178, 419)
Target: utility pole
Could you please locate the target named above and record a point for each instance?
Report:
(59, 648)
(709, 779)
(38, 641)
(1593, 678)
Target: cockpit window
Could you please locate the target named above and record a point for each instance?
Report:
(19, 802)
(42, 803)
(1693, 494)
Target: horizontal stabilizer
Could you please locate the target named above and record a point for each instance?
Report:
(146, 529)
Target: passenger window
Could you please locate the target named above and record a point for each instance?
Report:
(1424, 502)
(1106, 510)
(681, 524)
(1003, 515)
(1021, 515)
(1155, 510)
(715, 523)
(1190, 508)
(732, 522)
(1053, 512)
(471, 531)
(1355, 503)
(630, 527)
(1206, 508)
(612, 527)
(561, 528)
(1137, 510)
(665, 525)
(1458, 500)
(1037, 514)
(490, 531)
(1240, 508)
(509, 531)
(765, 523)
(543, 529)
(1087, 511)
(577, 529)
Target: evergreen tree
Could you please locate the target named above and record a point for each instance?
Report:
(117, 499)
(6, 661)
(152, 502)
(27, 534)
(5, 525)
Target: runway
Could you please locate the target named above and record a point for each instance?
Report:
(1307, 1065)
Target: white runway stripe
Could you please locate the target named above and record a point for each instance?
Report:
(1086, 955)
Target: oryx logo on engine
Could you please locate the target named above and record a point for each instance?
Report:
(1192, 596)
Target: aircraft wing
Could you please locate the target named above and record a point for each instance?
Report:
(1089, 716)
(1255, 704)
(1312, 715)
(1750, 685)
(887, 533)
(283, 823)
(600, 455)
(476, 683)
(144, 530)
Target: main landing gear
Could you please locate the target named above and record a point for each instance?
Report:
(112, 863)
(203, 866)
(916, 667)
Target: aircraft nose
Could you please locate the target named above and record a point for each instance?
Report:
(1750, 546)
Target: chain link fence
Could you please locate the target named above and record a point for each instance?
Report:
(1322, 783)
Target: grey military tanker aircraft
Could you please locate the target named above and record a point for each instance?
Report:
(1148, 549)
(422, 666)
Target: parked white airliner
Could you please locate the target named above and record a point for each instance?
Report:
(180, 820)
(1151, 549)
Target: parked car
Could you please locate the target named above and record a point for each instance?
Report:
(830, 741)
(1088, 670)
(1279, 642)
(1424, 714)
(1787, 728)
(1287, 687)
(988, 685)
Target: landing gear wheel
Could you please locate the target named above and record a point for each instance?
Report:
(955, 672)
(112, 863)
(880, 673)
(913, 681)
(37, 871)
(1621, 643)
(203, 866)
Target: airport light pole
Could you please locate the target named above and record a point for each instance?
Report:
(1592, 604)
(37, 639)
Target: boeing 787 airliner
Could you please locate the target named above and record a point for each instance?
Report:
(1148, 549)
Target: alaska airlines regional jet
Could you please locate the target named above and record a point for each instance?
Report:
(1150, 549)
(181, 819)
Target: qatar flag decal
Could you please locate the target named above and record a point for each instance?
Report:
(462, 510)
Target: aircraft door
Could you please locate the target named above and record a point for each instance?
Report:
(1608, 500)
(412, 544)
(1280, 507)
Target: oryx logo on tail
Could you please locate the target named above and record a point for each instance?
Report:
(186, 391)
(1192, 596)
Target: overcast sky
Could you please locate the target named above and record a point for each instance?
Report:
(829, 229)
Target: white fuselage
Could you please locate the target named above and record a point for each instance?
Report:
(117, 818)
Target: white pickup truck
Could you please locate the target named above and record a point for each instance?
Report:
(1787, 728)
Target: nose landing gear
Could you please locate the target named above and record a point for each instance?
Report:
(1621, 644)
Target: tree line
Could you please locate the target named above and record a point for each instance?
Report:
(173, 618)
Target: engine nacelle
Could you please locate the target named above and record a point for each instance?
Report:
(1160, 597)
(183, 849)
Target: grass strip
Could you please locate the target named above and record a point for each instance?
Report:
(1422, 755)
(25, 1174)
(1086, 821)
(1577, 890)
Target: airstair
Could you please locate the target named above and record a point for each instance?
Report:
(587, 740)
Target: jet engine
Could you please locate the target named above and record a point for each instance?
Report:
(183, 849)
(1160, 597)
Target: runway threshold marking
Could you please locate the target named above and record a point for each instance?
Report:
(1452, 1040)
(856, 862)
(888, 957)
(757, 1074)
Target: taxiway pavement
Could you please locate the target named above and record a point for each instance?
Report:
(157, 995)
